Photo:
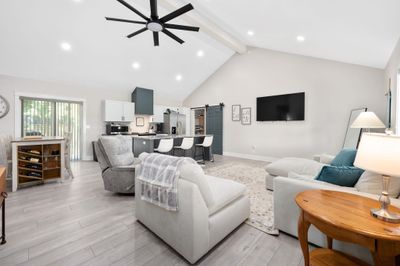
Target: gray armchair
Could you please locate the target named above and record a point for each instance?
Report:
(117, 163)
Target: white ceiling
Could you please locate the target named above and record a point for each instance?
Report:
(101, 55)
(354, 31)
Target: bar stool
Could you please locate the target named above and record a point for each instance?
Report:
(165, 146)
(207, 142)
(187, 144)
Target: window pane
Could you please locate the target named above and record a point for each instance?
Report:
(53, 118)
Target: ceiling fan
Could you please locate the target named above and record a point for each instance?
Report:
(156, 24)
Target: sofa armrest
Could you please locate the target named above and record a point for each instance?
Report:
(286, 211)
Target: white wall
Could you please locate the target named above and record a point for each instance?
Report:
(391, 71)
(332, 90)
(9, 86)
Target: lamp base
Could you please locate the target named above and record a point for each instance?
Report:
(385, 215)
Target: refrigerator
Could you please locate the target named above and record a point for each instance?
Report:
(174, 123)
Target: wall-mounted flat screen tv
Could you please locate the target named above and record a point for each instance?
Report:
(287, 107)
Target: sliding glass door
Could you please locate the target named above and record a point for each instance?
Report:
(47, 117)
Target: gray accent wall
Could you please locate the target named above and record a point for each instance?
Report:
(332, 90)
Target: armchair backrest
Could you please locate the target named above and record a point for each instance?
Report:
(117, 150)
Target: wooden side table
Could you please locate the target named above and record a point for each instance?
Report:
(346, 217)
(3, 196)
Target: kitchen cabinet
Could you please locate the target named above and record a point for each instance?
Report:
(158, 116)
(144, 101)
(119, 111)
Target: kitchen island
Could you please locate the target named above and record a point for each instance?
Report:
(148, 143)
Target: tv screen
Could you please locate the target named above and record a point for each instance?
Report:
(288, 107)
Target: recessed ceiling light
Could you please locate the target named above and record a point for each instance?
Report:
(250, 33)
(300, 38)
(178, 77)
(136, 65)
(65, 46)
(200, 53)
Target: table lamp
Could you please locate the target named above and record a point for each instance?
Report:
(367, 120)
(380, 153)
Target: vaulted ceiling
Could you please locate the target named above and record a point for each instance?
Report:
(354, 31)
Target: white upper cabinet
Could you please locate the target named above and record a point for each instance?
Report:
(119, 111)
(159, 113)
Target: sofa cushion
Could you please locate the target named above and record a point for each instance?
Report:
(370, 182)
(345, 157)
(301, 166)
(224, 192)
(118, 150)
(195, 174)
(346, 176)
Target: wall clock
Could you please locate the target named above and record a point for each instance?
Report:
(4, 107)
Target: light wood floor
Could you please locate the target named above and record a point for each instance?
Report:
(79, 223)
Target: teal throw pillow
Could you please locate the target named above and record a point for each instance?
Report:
(345, 176)
(345, 157)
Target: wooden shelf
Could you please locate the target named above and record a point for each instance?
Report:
(49, 156)
(30, 154)
(51, 168)
(29, 169)
(26, 161)
(31, 177)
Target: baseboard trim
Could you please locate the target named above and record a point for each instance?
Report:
(251, 156)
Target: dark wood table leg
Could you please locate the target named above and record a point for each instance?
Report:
(303, 226)
(383, 261)
(329, 242)
(3, 222)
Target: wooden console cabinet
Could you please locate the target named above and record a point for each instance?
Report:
(37, 161)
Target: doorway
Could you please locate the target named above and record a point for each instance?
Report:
(48, 117)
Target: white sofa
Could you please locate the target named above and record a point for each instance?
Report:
(297, 176)
(209, 209)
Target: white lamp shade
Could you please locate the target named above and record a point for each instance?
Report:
(379, 153)
(368, 120)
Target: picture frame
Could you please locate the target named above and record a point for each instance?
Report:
(246, 116)
(236, 110)
(140, 121)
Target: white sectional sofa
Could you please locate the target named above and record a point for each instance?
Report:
(209, 209)
(297, 175)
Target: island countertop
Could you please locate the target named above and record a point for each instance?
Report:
(169, 136)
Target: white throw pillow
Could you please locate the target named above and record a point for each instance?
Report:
(370, 182)
(326, 158)
(195, 174)
(301, 166)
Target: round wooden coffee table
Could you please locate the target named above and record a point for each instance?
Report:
(346, 217)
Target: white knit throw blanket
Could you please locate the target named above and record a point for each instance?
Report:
(158, 176)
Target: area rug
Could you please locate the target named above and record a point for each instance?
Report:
(253, 176)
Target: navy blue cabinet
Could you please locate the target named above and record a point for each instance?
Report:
(144, 101)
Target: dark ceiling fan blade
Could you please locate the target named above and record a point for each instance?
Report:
(156, 38)
(153, 8)
(181, 27)
(133, 9)
(126, 20)
(176, 13)
(173, 36)
(136, 32)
